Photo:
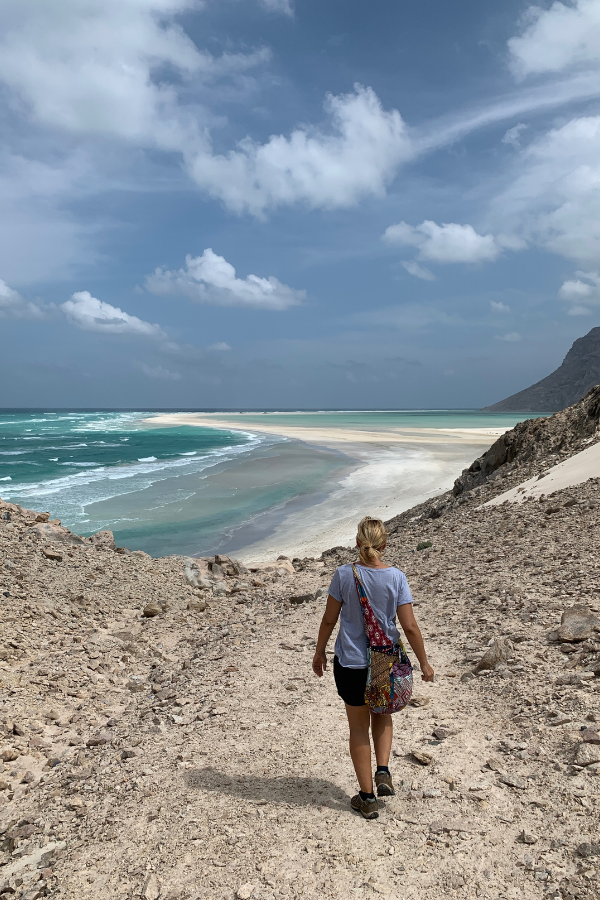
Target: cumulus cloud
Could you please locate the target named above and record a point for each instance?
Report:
(447, 243)
(499, 307)
(219, 347)
(159, 373)
(14, 306)
(557, 38)
(578, 310)
(211, 279)
(356, 158)
(583, 289)
(413, 268)
(512, 337)
(91, 314)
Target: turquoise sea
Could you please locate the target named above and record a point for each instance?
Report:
(184, 489)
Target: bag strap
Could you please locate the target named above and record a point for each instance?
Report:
(376, 636)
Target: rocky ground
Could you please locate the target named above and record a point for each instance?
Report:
(162, 734)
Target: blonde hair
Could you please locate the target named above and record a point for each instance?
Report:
(371, 539)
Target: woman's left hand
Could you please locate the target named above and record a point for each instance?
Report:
(319, 663)
(427, 673)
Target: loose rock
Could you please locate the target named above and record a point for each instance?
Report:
(498, 652)
(577, 624)
(151, 610)
(587, 754)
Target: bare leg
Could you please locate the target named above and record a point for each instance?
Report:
(360, 745)
(383, 732)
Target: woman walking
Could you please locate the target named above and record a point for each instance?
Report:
(389, 597)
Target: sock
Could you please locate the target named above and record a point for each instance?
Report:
(365, 796)
(383, 769)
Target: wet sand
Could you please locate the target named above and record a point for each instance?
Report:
(389, 470)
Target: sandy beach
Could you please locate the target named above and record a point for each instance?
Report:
(390, 470)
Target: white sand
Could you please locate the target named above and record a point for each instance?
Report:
(336, 438)
(576, 470)
(395, 469)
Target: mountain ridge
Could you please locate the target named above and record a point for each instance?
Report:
(577, 374)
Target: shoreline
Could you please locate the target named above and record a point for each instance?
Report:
(390, 471)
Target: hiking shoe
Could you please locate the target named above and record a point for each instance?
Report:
(383, 783)
(369, 809)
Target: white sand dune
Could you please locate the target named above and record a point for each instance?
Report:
(576, 470)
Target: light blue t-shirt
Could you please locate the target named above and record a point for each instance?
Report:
(387, 589)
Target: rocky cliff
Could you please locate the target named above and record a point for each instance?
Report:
(580, 370)
(547, 440)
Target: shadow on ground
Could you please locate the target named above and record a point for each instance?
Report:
(282, 789)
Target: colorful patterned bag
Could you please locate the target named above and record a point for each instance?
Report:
(390, 681)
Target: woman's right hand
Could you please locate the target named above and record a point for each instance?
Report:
(319, 663)
(427, 673)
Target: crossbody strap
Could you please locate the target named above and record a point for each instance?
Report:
(376, 636)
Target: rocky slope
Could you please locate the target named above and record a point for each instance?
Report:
(578, 372)
(545, 441)
(162, 734)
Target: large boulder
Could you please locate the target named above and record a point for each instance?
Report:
(587, 754)
(103, 540)
(577, 624)
(230, 566)
(56, 534)
(281, 566)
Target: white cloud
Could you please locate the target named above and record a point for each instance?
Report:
(211, 279)
(86, 66)
(91, 314)
(554, 201)
(513, 135)
(499, 307)
(322, 170)
(575, 290)
(126, 70)
(219, 347)
(584, 288)
(413, 268)
(447, 243)
(117, 68)
(557, 38)
(159, 373)
(549, 94)
(14, 306)
(512, 337)
(279, 6)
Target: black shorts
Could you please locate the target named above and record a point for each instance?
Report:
(350, 683)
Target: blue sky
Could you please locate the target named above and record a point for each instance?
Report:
(295, 203)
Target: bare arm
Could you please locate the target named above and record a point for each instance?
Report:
(406, 617)
(328, 623)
